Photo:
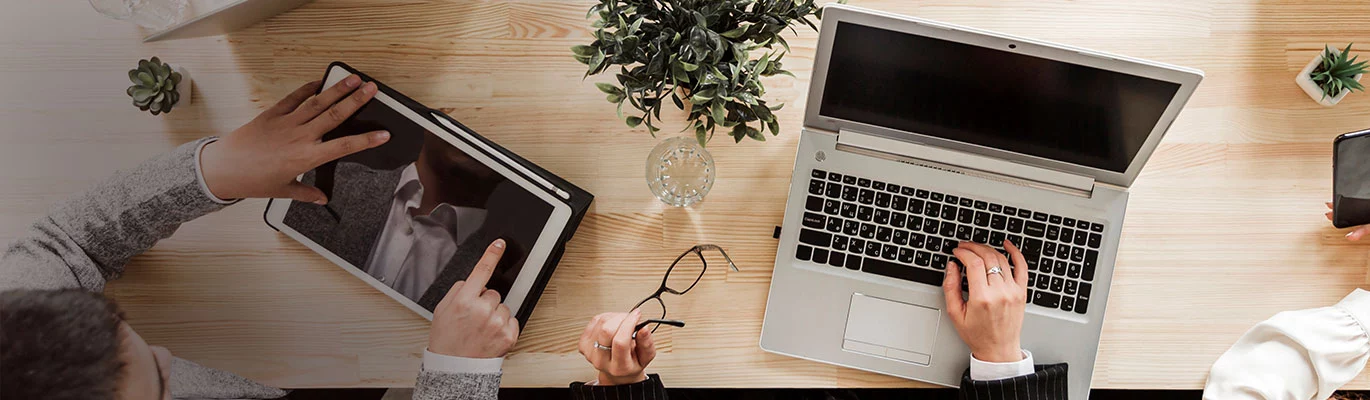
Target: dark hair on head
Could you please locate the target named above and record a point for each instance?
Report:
(59, 345)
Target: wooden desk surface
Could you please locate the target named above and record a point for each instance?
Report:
(1224, 229)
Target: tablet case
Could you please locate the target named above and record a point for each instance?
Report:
(579, 201)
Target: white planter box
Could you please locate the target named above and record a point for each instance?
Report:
(1311, 88)
(184, 89)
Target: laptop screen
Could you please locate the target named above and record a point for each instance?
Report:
(994, 98)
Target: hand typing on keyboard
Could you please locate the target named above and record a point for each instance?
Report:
(990, 319)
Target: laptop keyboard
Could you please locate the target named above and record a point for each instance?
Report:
(909, 233)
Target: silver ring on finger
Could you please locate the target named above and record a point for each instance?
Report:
(603, 347)
(995, 270)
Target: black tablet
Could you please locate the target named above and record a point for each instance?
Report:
(413, 216)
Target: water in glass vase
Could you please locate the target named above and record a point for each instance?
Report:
(680, 172)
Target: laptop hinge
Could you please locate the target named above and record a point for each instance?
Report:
(965, 163)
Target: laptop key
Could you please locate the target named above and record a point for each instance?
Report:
(981, 219)
(882, 216)
(850, 180)
(1024, 213)
(996, 239)
(916, 240)
(1060, 268)
(948, 212)
(1091, 257)
(906, 255)
(1039, 216)
(820, 256)
(839, 243)
(914, 223)
(923, 259)
(966, 216)
(1057, 284)
(863, 182)
(816, 221)
(894, 270)
(889, 252)
(995, 208)
(866, 196)
(867, 231)
(816, 186)
(932, 210)
(1029, 296)
(898, 219)
(901, 237)
(853, 262)
(865, 213)
(980, 236)
(1077, 254)
(1010, 211)
(1094, 240)
(998, 222)
(835, 177)
(848, 210)
(1053, 232)
(884, 234)
(1067, 303)
(834, 190)
(849, 193)
(1099, 228)
(1081, 238)
(1049, 249)
(882, 199)
(872, 249)
(877, 185)
(836, 259)
(930, 226)
(980, 205)
(1032, 278)
(1055, 219)
(899, 203)
(949, 245)
(815, 238)
(1017, 241)
(1073, 271)
(935, 196)
(804, 253)
(939, 261)
(952, 199)
(1071, 287)
(1015, 225)
(934, 244)
(1068, 222)
(813, 203)
(907, 191)
(948, 229)
(834, 225)
(820, 174)
(851, 228)
(1034, 229)
(1046, 299)
(1083, 292)
(1043, 282)
(967, 202)
(915, 206)
(856, 245)
(892, 188)
(963, 232)
(832, 207)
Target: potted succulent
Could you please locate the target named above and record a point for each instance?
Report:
(697, 55)
(157, 87)
(1331, 76)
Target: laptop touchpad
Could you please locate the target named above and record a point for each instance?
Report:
(891, 329)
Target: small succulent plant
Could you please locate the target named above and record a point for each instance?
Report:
(1336, 72)
(154, 86)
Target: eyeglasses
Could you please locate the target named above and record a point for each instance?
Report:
(682, 276)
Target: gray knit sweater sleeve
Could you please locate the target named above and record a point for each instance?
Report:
(86, 240)
(444, 386)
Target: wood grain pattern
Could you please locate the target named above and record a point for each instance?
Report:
(1224, 228)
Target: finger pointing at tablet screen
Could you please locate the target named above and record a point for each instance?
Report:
(263, 157)
(470, 321)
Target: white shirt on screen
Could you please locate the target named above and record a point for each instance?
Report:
(412, 250)
(1304, 354)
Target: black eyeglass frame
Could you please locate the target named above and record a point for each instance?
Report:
(698, 251)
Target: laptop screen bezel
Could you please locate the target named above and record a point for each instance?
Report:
(1187, 78)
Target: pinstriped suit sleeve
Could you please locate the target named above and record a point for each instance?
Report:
(1048, 383)
(650, 389)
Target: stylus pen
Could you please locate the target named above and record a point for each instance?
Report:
(536, 178)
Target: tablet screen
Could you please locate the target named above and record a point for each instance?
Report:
(417, 213)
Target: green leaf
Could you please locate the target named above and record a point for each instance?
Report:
(778, 107)
(689, 67)
(700, 135)
(608, 88)
(141, 94)
(735, 32)
(633, 122)
(583, 50)
(133, 76)
(774, 126)
(145, 79)
(755, 134)
(739, 132)
(614, 98)
(716, 108)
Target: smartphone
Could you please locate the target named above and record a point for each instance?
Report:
(1351, 179)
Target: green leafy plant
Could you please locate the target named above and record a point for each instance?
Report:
(154, 86)
(695, 51)
(1337, 73)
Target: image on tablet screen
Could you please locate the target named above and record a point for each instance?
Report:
(417, 213)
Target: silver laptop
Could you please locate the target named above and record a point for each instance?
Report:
(920, 134)
(228, 16)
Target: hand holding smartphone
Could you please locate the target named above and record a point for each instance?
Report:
(1351, 182)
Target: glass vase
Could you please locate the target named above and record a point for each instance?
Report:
(680, 172)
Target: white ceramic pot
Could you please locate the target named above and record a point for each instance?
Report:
(184, 89)
(1312, 89)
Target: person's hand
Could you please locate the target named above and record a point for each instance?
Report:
(991, 320)
(470, 321)
(262, 158)
(1356, 233)
(624, 363)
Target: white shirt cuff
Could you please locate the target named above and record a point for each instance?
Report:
(461, 365)
(200, 174)
(992, 371)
